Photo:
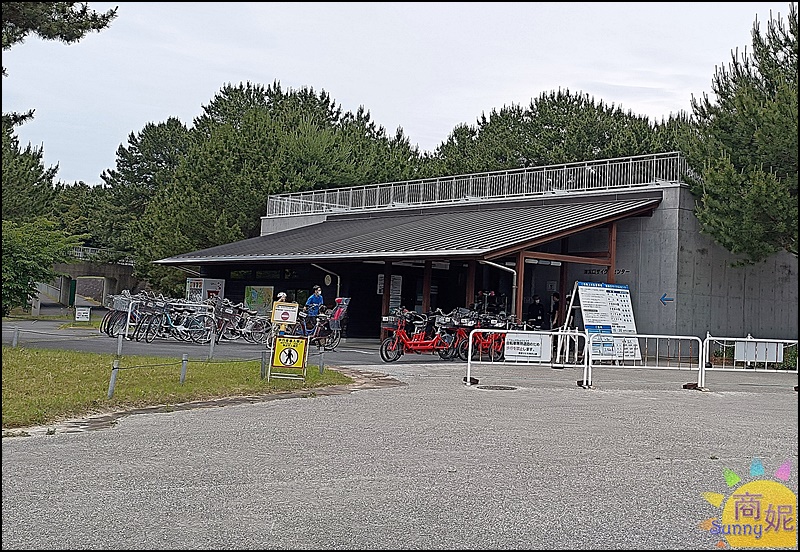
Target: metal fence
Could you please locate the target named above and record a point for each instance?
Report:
(100, 255)
(748, 354)
(592, 352)
(602, 175)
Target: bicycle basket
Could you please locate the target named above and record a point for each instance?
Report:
(445, 321)
(122, 302)
(389, 322)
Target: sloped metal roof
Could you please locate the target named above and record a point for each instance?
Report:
(470, 232)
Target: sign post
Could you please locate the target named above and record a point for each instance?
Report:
(607, 309)
(83, 314)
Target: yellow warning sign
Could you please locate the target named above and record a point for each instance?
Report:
(290, 352)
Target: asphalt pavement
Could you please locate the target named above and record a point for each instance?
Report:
(409, 457)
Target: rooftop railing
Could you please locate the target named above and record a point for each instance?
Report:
(100, 255)
(588, 176)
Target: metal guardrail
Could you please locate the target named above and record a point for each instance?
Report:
(748, 354)
(660, 352)
(572, 348)
(601, 175)
(92, 254)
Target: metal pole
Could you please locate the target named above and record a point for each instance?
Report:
(263, 364)
(113, 382)
(15, 339)
(213, 339)
(184, 362)
(321, 361)
(120, 337)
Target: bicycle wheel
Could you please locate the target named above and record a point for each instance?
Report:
(445, 351)
(117, 323)
(200, 328)
(391, 349)
(141, 326)
(106, 319)
(333, 340)
(256, 330)
(153, 327)
(462, 349)
(230, 331)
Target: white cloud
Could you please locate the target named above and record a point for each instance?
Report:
(425, 67)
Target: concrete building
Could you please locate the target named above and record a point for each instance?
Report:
(502, 237)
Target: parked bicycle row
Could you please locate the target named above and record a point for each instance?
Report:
(145, 317)
(446, 334)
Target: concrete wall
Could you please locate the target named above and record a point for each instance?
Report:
(115, 278)
(727, 300)
(270, 225)
(666, 253)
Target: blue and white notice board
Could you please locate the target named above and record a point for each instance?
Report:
(607, 309)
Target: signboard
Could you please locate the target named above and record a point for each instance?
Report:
(83, 314)
(284, 313)
(200, 289)
(395, 289)
(259, 298)
(289, 353)
(607, 309)
(526, 346)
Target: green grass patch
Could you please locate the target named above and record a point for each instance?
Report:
(42, 386)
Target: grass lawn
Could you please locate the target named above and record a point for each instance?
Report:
(46, 386)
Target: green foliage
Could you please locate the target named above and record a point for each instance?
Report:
(251, 142)
(789, 358)
(45, 386)
(28, 189)
(743, 147)
(67, 22)
(557, 127)
(29, 252)
(143, 168)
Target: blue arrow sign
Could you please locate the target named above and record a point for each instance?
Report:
(664, 299)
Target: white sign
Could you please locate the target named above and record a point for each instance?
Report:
(284, 313)
(395, 289)
(200, 289)
(607, 309)
(83, 314)
(528, 346)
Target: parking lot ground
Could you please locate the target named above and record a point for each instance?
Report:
(524, 459)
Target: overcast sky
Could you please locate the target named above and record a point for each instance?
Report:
(425, 67)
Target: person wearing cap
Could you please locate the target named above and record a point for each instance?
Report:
(281, 297)
(313, 303)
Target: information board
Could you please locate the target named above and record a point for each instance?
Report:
(607, 309)
(83, 314)
(259, 298)
(527, 347)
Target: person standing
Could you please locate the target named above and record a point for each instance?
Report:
(313, 304)
(537, 314)
(556, 308)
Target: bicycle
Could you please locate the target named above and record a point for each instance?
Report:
(182, 322)
(321, 332)
(426, 337)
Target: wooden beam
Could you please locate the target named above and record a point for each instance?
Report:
(612, 249)
(387, 289)
(520, 291)
(603, 261)
(426, 286)
(470, 292)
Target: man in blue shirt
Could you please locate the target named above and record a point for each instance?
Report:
(313, 303)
